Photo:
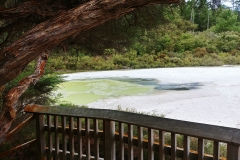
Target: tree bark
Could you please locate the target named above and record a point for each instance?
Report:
(8, 113)
(46, 35)
(31, 7)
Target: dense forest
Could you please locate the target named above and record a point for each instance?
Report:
(191, 33)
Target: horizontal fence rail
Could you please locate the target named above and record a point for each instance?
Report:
(82, 133)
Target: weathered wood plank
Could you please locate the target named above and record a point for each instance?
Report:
(87, 136)
(64, 142)
(140, 143)
(167, 148)
(96, 143)
(200, 149)
(41, 144)
(173, 146)
(79, 138)
(233, 152)
(161, 145)
(71, 138)
(150, 144)
(216, 150)
(130, 142)
(56, 137)
(186, 146)
(109, 137)
(121, 141)
(217, 133)
(50, 139)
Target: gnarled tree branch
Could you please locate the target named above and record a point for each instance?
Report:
(8, 113)
(32, 7)
(46, 35)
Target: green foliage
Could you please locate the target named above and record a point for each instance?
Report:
(158, 48)
(134, 110)
(208, 145)
(71, 105)
(171, 44)
(40, 93)
(226, 21)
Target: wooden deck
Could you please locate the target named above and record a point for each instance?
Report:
(81, 133)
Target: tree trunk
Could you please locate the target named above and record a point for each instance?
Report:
(46, 35)
(8, 113)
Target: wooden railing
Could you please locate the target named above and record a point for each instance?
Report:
(81, 133)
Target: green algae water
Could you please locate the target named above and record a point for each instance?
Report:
(82, 92)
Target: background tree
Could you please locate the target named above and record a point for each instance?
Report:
(200, 12)
(226, 20)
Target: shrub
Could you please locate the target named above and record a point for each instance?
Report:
(210, 61)
(120, 59)
(200, 52)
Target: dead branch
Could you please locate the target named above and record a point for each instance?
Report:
(18, 128)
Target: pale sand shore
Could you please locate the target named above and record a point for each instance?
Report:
(217, 102)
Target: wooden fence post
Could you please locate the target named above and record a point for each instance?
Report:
(109, 149)
(200, 149)
(186, 146)
(216, 150)
(233, 152)
(41, 144)
(173, 146)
